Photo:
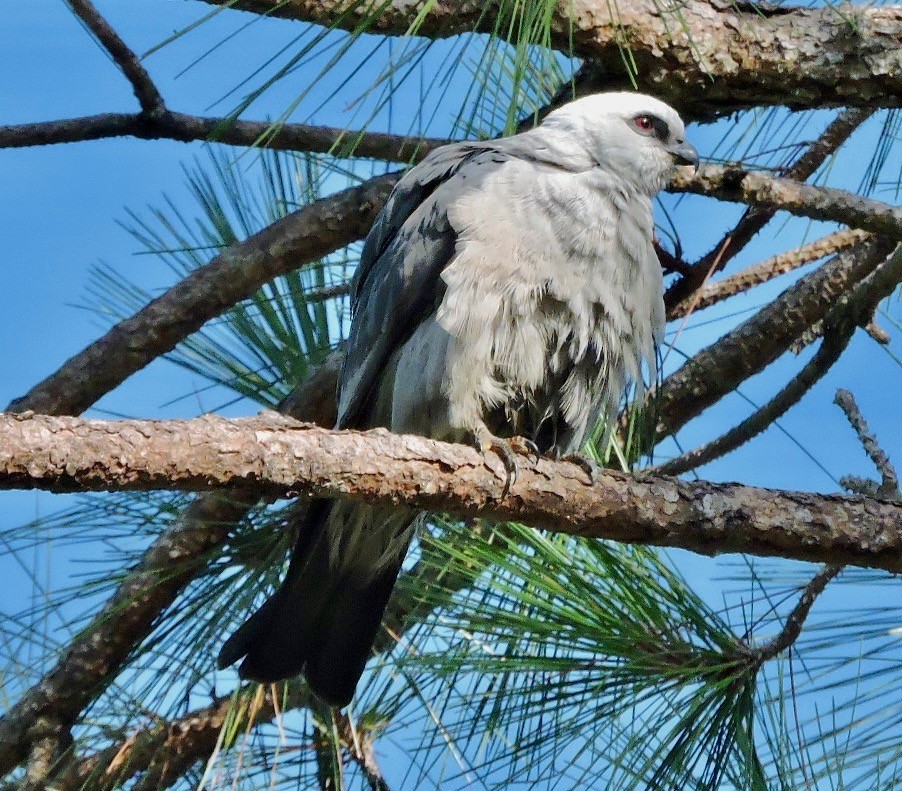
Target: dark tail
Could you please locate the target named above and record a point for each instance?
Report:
(322, 620)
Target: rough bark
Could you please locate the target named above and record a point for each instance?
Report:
(762, 190)
(283, 457)
(97, 653)
(304, 236)
(698, 55)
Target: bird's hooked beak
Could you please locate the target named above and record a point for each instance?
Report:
(684, 153)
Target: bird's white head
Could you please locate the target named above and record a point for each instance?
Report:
(633, 136)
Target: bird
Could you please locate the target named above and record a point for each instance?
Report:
(508, 289)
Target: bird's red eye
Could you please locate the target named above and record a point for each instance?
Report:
(644, 123)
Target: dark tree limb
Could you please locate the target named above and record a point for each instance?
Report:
(283, 457)
(235, 274)
(145, 91)
(98, 652)
(170, 125)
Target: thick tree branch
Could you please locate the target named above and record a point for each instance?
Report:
(283, 457)
(171, 125)
(735, 184)
(304, 236)
(700, 56)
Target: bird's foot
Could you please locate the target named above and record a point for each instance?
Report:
(508, 450)
(587, 464)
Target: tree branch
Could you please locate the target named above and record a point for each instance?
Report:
(889, 483)
(145, 91)
(704, 58)
(735, 184)
(757, 342)
(796, 619)
(235, 274)
(283, 457)
(839, 326)
(767, 270)
(171, 125)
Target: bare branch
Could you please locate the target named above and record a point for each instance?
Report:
(145, 91)
(889, 485)
(170, 125)
(839, 326)
(755, 219)
(304, 236)
(282, 457)
(767, 270)
(703, 58)
(732, 183)
(757, 342)
(796, 619)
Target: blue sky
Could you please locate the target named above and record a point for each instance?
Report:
(60, 207)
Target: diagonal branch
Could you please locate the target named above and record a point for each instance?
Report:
(145, 91)
(792, 628)
(281, 456)
(839, 326)
(97, 654)
(767, 270)
(235, 274)
(756, 343)
(889, 483)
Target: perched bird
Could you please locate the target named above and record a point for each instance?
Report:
(509, 288)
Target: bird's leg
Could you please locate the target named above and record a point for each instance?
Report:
(507, 449)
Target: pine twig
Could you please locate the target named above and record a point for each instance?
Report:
(767, 270)
(753, 345)
(145, 91)
(889, 484)
(792, 628)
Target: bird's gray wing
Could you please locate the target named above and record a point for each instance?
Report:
(397, 282)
